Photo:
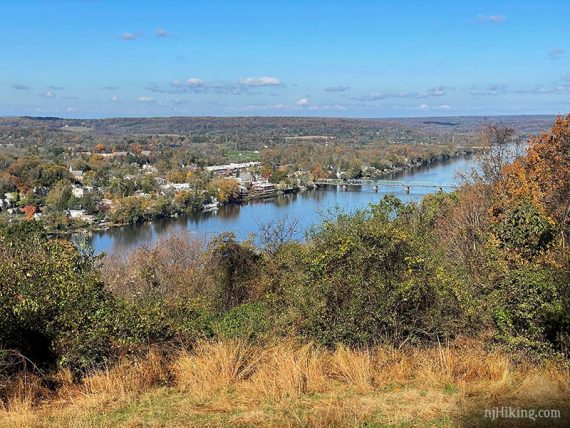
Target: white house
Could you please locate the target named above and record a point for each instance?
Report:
(77, 191)
(175, 186)
(80, 215)
(78, 174)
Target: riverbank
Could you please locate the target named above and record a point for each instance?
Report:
(307, 208)
(414, 164)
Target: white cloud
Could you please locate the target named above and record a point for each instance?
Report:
(195, 83)
(491, 19)
(114, 99)
(146, 100)
(47, 94)
(437, 91)
(260, 81)
(70, 109)
(541, 90)
(20, 87)
(426, 107)
(201, 86)
(301, 105)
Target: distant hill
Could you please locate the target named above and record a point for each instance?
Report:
(461, 130)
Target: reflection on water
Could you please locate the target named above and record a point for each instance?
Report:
(306, 207)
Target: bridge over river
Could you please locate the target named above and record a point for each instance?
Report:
(378, 184)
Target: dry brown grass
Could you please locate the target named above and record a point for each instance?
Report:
(290, 384)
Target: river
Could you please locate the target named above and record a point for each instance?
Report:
(305, 207)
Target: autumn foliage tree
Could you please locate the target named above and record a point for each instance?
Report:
(225, 189)
(542, 178)
(29, 211)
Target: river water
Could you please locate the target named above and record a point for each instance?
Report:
(307, 208)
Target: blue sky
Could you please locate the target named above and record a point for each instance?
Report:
(111, 58)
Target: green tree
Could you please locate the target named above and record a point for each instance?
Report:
(128, 210)
(59, 196)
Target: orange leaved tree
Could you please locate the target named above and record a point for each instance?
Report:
(541, 178)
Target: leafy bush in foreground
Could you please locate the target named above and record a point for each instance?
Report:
(55, 310)
(52, 302)
(372, 277)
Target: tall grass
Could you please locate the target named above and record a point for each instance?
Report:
(291, 384)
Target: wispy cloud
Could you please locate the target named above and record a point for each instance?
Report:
(491, 19)
(491, 90)
(301, 105)
(201, 86)
(56, 88)
(260, 81)
(556, 53)
(47, 94)
(130, 36)
(146, 100)
(337, 88)
(162, 33)
(193, 82)
(109, 88)
(494, 90)
(20, 87)
(426, 107)
(541, 90)
(437, 91)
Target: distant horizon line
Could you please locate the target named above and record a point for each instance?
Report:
(282, 117)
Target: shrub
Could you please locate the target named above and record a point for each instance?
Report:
(247, 321)
(372, 278)
(144, 323)
(525, 230)
(526, 307)
(234, 266)
(54, 307)
(57, 312)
